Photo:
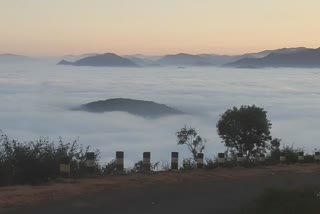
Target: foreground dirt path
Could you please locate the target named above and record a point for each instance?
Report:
(215, 191)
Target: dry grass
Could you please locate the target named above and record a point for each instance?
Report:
(28, 195)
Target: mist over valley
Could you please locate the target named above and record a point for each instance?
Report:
(37, 99)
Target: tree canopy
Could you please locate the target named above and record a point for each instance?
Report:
(245, 130)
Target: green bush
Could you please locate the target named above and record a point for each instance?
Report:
(211, 163)
(109, 168)
(38, 161)
(188, 164)
(138, 167)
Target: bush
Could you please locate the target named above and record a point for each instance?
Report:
(38, 161)
(309, 158)
(211, 163)
(188, 164)
(165, 166)
(109, 168)
(291, 155)
(138, 167)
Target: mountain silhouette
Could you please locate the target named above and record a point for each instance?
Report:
(136, 107)
(303, 58)
(65, 62)
(265, 53)
(13, 58)
(183, 59)
(101, 60)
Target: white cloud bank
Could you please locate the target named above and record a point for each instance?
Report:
(35, 101)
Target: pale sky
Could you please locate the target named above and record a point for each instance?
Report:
(153, 27)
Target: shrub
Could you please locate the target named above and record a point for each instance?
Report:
(139, 166)
(38, 161)
(164, 166)
(188, 164)
(109, 168)
(211, 163)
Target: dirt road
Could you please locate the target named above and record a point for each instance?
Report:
(216, 191)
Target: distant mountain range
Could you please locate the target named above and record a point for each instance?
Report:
(13, 58)
(136, 107)
(143, 60)
(291, 58)
(101, 60)
(286, 57)
(184, 59)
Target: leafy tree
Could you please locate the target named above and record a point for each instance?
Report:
(245, 130)
(190, 138)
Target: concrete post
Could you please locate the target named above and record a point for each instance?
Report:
(317, 156)
(65, 167)
(174, 160)
(262, 158)
(90, 159)
(221, 158)
(301, 156)
(200, 163)
(146, 161)
(240, 157)
(283, 157)
(119, 160)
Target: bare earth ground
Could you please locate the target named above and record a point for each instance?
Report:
(214, 191)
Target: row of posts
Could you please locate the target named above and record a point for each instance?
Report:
(65, 167)
(147, 161)
(283, 157)
(90, 160)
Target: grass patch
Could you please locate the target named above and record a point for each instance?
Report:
(286, 201)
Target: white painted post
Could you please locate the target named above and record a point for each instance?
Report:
(301, 156)
(119, 160)
(240, 158)
(65, 167)
(262, 158)
(317, 156)
(90, 159)
(221, 158)
(283, 157)
(146, 161)
(174, 160)
(200, 163)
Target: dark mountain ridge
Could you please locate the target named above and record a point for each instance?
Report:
(101, 60)
(184, 59)
(12, 58)
(136, 107)
(302, 58)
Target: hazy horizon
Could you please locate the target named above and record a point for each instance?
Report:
(57, 28)
(146, 55)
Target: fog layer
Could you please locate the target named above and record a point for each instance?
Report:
(36, 98)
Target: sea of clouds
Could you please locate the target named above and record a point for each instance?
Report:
(35, 99)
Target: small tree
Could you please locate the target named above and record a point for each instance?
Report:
(245, 129)
(195, 143)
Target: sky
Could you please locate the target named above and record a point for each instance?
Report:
(155, 27)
